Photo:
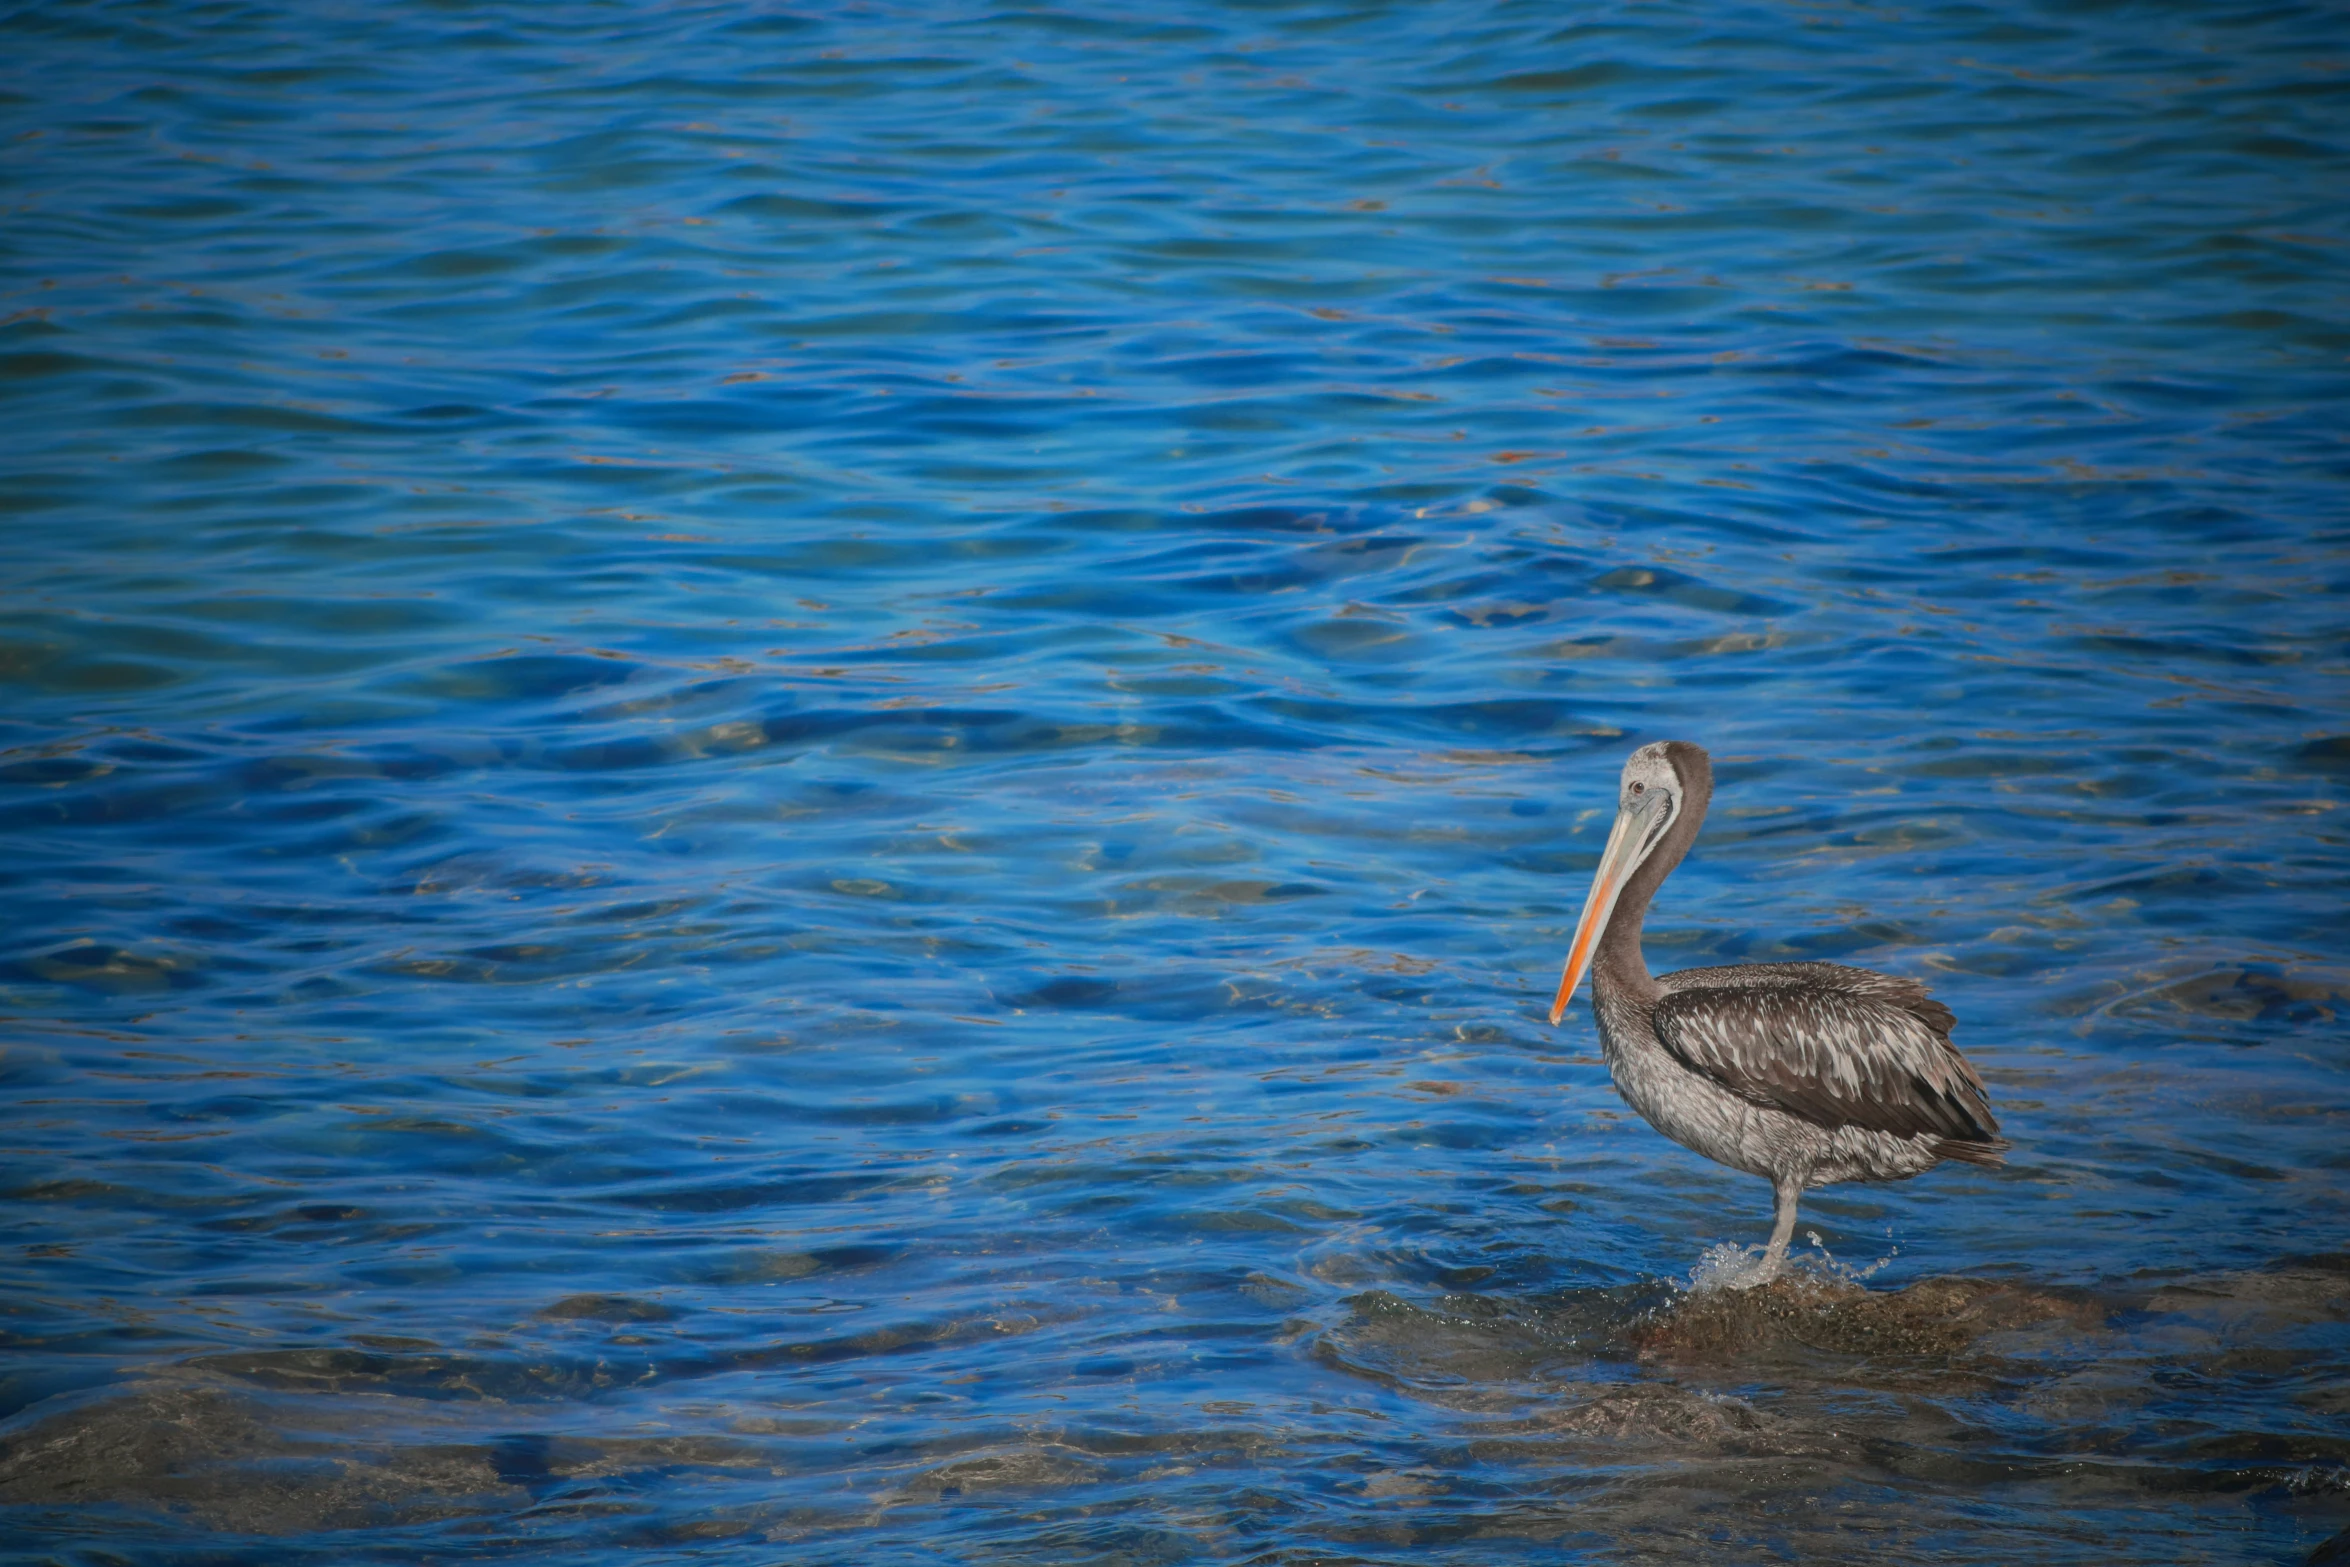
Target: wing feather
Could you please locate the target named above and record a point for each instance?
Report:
(1837, 1054)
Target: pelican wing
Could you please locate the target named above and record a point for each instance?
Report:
(1835, 1053)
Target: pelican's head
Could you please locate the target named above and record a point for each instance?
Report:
(1661, 784)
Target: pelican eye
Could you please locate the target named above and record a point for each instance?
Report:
(1640, 788)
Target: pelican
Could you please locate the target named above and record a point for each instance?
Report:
(1802, 1073)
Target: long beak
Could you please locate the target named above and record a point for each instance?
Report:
(1627, 845)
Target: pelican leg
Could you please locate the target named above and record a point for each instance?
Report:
(1789, 1191)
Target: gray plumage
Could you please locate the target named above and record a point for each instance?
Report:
(1837, 1046)
(1802, 1073)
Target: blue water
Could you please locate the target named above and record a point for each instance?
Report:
(803, 785)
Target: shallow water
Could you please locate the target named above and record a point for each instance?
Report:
(803, 786)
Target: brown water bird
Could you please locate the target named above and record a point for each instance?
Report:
(1802, 1073)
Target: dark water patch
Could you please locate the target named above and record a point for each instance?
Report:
(2331, 754)
(531, 677)
(1689, 592)
(49, 771)
(731, 1197)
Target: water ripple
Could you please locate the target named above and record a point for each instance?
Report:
(810, 781)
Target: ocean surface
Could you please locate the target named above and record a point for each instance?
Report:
(801, 785)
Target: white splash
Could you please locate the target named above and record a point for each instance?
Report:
(1729, 1266)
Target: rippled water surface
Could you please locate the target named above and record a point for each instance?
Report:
(801, 785)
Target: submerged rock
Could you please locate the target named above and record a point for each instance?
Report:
(607, 1308)
(1656, 1411)
(1024, 1468)
(217, 1456)
(209, 1457)
(1465, 1342)
(2290, 1292)
(1803, 1309)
